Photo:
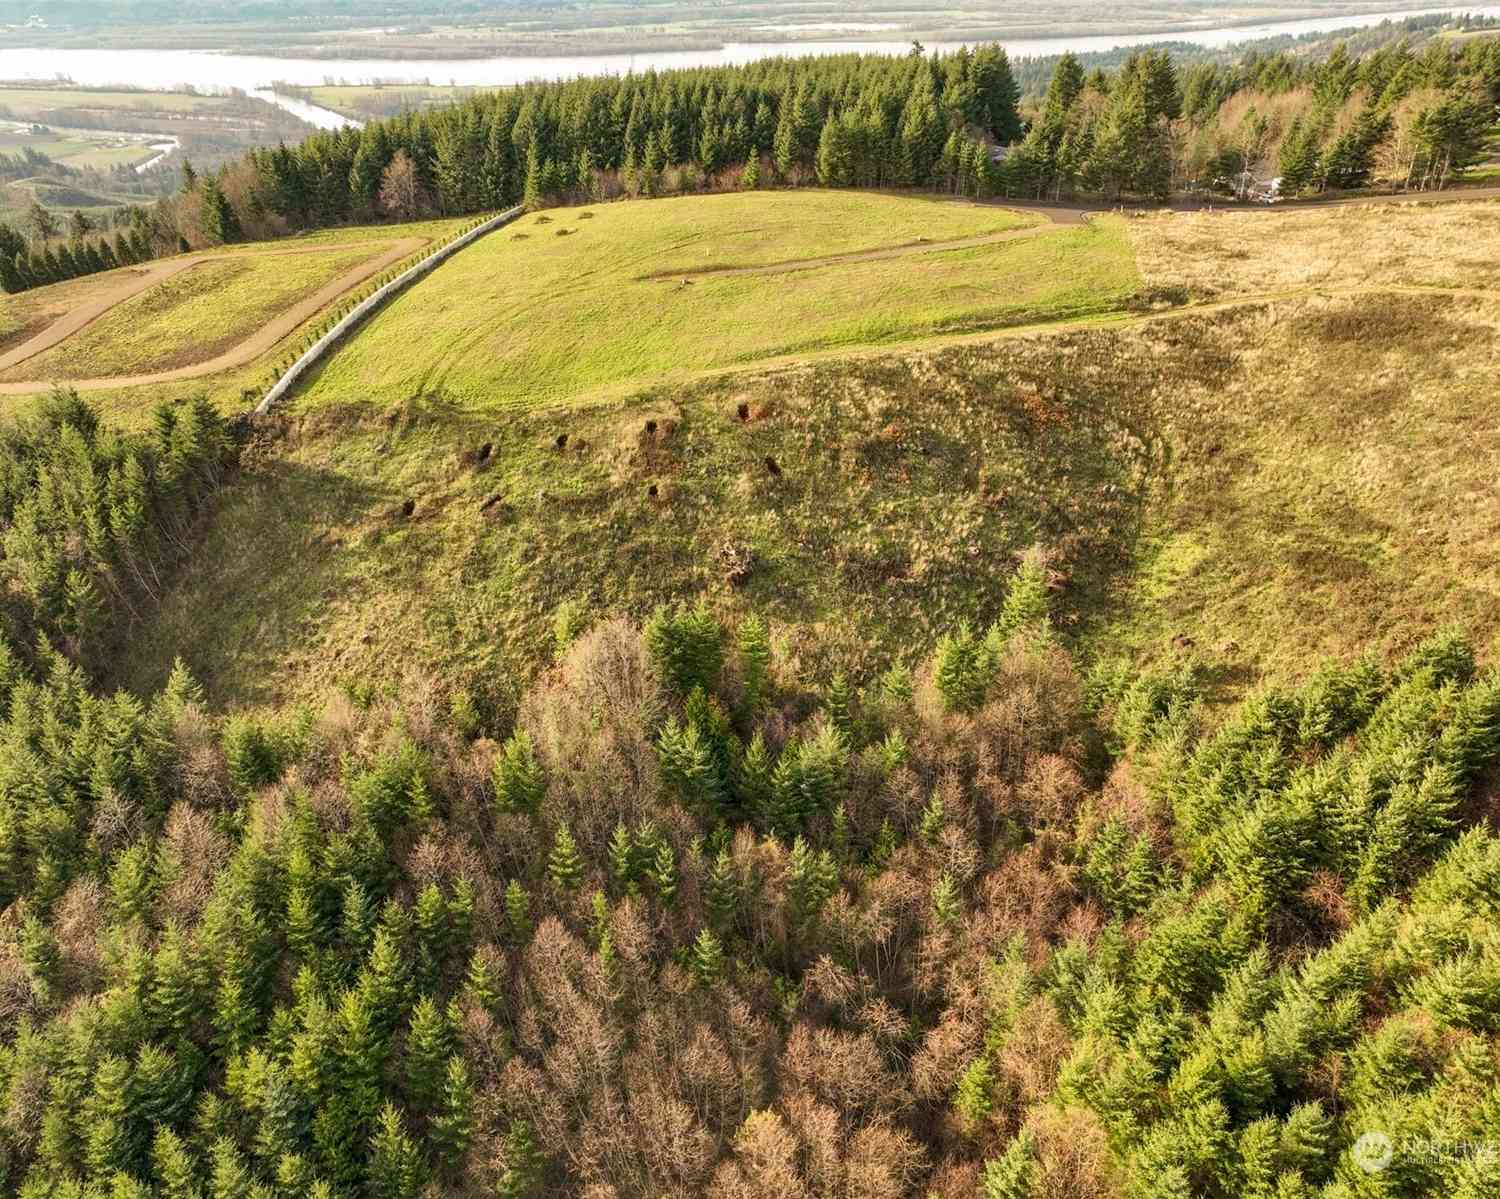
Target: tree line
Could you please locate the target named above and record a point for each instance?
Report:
(953, 123)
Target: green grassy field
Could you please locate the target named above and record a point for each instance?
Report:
(572, 301)
(193, 316)
(24, 102)
(80, 150)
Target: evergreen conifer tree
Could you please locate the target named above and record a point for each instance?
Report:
(565, 863)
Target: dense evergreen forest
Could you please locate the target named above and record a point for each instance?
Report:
(688, 921)
(951, 123)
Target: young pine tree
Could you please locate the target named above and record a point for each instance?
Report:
(973, 1098)
(221, 225)
(564, 863)
(519, 784)
(395, 1164)
(687, 647)
(708, 959)
(524, 1165)
(753, 645)
(662, 872)
(518, 912)
(1013, 1175)
(452, 1126)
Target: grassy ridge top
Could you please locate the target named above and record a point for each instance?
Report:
(569, 302)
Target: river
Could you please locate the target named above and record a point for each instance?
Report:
(208, 71)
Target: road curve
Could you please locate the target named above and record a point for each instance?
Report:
(246, 351)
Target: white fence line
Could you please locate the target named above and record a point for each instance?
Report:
(321, 348)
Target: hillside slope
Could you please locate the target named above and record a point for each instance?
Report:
(1199, 478)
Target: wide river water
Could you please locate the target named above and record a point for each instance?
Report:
(208, 71)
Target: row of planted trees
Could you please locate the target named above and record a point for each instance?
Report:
(689, 922)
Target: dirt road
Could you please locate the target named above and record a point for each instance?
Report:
(809, 264)
(246, 351)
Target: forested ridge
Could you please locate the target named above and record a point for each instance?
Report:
(690, 920)
(951, 123)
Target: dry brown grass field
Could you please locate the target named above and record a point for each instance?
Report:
(1219, 255)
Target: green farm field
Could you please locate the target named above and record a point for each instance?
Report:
(25, 102)
(79, 149)
(672, 287)
(374, 101)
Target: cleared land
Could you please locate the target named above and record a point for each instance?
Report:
(1210, 256)
(1200, 477)
(184, 320)
(192, 316)
(573, 302)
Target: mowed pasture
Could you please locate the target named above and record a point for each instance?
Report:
(570, 303)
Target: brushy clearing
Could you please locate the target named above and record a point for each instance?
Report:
(1201, 484)
(1223, 254)
(874, 504)
(1337, 486)
(561, 306)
